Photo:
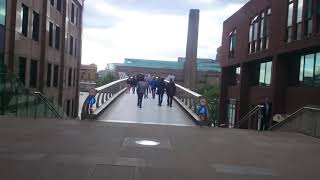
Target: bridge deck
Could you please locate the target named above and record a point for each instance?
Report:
(125, 110)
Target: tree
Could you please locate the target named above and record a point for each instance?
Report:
(108, 78)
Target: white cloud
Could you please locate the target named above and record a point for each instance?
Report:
(138, 34)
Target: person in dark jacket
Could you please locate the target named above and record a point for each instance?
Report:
(171, 91)
(141, 89)
(153, 84)
(266, 114)
(134, 84)
(161, 87)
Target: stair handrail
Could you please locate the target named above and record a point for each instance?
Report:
(297, 112)
(43, 99)
(249, 115)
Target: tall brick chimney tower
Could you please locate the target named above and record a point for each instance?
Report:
(190, 66)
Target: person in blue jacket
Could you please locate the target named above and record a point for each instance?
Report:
(161, 87)
(153, 84)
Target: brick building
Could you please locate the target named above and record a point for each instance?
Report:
(43, 47)
(270, 48)
(88, 73)
(88, 77)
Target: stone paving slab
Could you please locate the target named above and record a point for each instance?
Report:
(66, 150)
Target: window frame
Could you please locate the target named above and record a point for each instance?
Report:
(24, 20)
(51, 34)
(57, 37)
(35, 34)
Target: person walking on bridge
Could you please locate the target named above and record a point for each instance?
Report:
(171, 91)
(153, 84)
(161, 85)
(141, 89)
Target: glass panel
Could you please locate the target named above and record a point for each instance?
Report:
(299, 31)
(250, 33)
(262, 28)
(309, 26)
(289, 34)
(309, 8)
(35, 26)
(317, 71)
(24, 19)
(301, 69)
(300, 10)
(309, 69)
(290, 13)
(255, 36)
(262, 73)
(268, 73)
(2, 12)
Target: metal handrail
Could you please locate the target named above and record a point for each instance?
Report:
(294, 115)
(109, 85)
(43, 99)
(187, 90)
(249, 115)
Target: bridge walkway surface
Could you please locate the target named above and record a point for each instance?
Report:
(125, 110)
(91, 150)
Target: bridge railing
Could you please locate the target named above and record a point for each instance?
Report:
(105, 95)
(190, 101)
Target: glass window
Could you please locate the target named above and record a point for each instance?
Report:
(308, 69)
(238, 71)
(70, 77)
(2, 12)
(22, 69)
(262, 76)
(300, 10)
(24, 20)
(317, 71)
(301, 69)
(308, 30)
(255, 32)
(49, 70)
(268, 73)
(233, 42)
(318, 19)
(57, 38)
(52, 2)
(250, 33)
(59, 5)
(74, 77)
(55, 75)
(72, 12)
(51, 34)
(265, 74)
(35, 26)
(71, 45)
(290, 13)
(231, 113)
(33, 73)
(77, 17)
(76, 48)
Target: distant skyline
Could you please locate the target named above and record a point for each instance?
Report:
(144, 29)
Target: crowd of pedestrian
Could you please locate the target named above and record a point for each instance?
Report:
(144, 85)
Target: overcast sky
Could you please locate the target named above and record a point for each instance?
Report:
(150, 29)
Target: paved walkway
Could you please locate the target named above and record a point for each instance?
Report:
(125, 110)
(83, 150)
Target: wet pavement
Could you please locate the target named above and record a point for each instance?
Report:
(91, 150)
(125, 110)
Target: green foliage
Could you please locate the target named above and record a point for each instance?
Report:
(210, 92)
(108, 78)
